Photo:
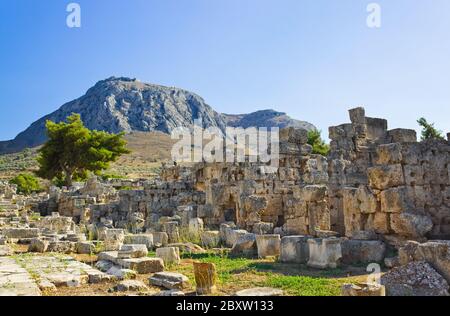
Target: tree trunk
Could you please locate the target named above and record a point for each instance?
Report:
(68, 181)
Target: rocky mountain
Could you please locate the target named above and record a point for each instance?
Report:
(124, 104)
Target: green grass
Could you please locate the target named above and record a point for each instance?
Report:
(241, 273)
(305, 285)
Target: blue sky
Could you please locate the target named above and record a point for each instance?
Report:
(313, 59)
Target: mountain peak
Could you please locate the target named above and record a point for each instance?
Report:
(119, 104)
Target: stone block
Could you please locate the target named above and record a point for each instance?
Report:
(19, 233)
(210, 239)
(169, 280)
(205, 277)
(132, 251)
(196, 225)
(140, 239)
(411, 225)
(394, 200)
(362, 251)
(245, 246)
(363, 289)
(324, 253)
(388, 154)
(38, 245)
(401, 135)
(160, 239)
(170, 255)
(294, 249)
(268, 245)
(143, 265)
(385, 177)
(85, 247)
(314, 193)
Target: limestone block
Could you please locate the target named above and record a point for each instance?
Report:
(324, 253)
(195, 225)
(38, 245)
(262, 228)
(363, 289)
(170, 255)
(210, 239)
(386, 176)
(62, 247)
(132, 251)
(160, 239)
(245, 246)
(401, 135)
(293, 135)
(234, 235)
(414, 175)
(171, 228)
(140, 239)
(411, 225)
(362, 251)
(388, 154)
(131, 285)
(169, 280)
(225, 231)
(205, 277)
(294, 249)
(268, 245)
(314, 193)
(394, 200)
(143, 265)
(319, 217)
(85, 247)
(19, 233)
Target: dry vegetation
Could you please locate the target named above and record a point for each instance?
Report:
(148, 150)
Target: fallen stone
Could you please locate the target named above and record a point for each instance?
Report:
(85, 247)
(46, 286)
(294, 249)
(143, 265)
(205, 277)
(363, 289)
(170, 293)
(362, 251)
(170, 255)
(169, 280)
(245, 246)
(38, 245)
(121, 274)
(104, 265)
(188, 247)
(160, 239)
(62, 247)
(268, 245)
(131, 285)
(324, 253)
(140, 239)
(210, 239)
(5, 251)
(415, 279)
(19, 233)
(132, 251)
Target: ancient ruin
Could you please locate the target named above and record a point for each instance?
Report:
(379, 192)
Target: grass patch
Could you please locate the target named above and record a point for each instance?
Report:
(305, 285)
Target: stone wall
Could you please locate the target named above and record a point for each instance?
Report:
(385, 182)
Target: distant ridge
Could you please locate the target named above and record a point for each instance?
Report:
(125, 104)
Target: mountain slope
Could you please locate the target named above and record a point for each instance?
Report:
(124, 104)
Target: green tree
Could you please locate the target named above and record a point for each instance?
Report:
(73, 150)
(428, 130)
(318, 144)
(26, 183)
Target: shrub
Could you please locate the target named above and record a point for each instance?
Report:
(26, 183)
(428, 130)
(318, 144)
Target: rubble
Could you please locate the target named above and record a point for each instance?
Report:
(415, 279)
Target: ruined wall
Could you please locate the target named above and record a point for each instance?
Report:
(385, 182)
